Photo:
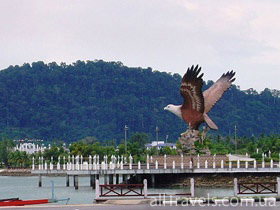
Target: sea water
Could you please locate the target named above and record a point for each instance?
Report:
(26, 188)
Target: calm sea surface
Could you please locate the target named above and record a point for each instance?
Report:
(27, 188)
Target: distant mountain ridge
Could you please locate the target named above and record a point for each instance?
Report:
(97, 98)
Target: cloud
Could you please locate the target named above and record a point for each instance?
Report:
(168, 35)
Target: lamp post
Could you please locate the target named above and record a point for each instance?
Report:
(235, 130)
(125, 137)
(157, 130)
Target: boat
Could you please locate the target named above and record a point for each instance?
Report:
(19, 202)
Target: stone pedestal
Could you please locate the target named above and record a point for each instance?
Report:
(188, 139)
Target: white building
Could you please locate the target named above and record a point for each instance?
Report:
(30, 148)
(160, 144)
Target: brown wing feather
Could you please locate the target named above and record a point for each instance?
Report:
(214, 93)
(190, 90)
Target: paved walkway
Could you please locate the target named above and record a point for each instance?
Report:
(129, 206)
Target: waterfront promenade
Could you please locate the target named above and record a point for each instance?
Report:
(146, 207)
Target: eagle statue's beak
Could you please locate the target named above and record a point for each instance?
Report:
(165, 108)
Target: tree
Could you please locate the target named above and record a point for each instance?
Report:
(168, 151)
(97, 98)
(5, 149)
(54, 152)
(19, 159)
(89, 140)
(140, 138)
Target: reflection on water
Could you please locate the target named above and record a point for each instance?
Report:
(27, 188)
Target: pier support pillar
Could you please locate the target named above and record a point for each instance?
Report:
(124, 177)
(153, 180)
(67, 181)
(145, 188)
(117, 178)
(92, 181)
(111, 179)
(278, 186)
(97, 190)
(235, 186)
(76, 182)
(139, 178)
(40, 180)
(105, 179)
(192, 187)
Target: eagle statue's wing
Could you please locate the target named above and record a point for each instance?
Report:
(214, 93)
(190, 90)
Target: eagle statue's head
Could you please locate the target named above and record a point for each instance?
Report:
(175, 109)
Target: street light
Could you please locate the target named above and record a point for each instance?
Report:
(235, 130)
(125, 137)
(157, 130)
(166, 138)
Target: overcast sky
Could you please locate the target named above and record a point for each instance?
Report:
(167, 35)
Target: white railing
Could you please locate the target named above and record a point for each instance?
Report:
(94, 163)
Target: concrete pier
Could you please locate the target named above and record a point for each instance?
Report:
(40, 180)
(76, 182)
(153, 168)
(67, 181)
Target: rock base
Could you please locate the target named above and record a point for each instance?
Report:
(188, 139)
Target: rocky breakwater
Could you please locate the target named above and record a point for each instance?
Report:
(15, 172)
(213, 180)
(219, 180)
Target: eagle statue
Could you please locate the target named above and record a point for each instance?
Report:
(196, 104)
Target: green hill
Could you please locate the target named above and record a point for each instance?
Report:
(97, 98)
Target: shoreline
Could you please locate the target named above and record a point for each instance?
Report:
(211, 180)
(22, 172)
(221, 180)
(15, 172)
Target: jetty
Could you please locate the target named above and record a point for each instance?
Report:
(116, 170)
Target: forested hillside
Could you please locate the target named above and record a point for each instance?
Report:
(97, 98)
